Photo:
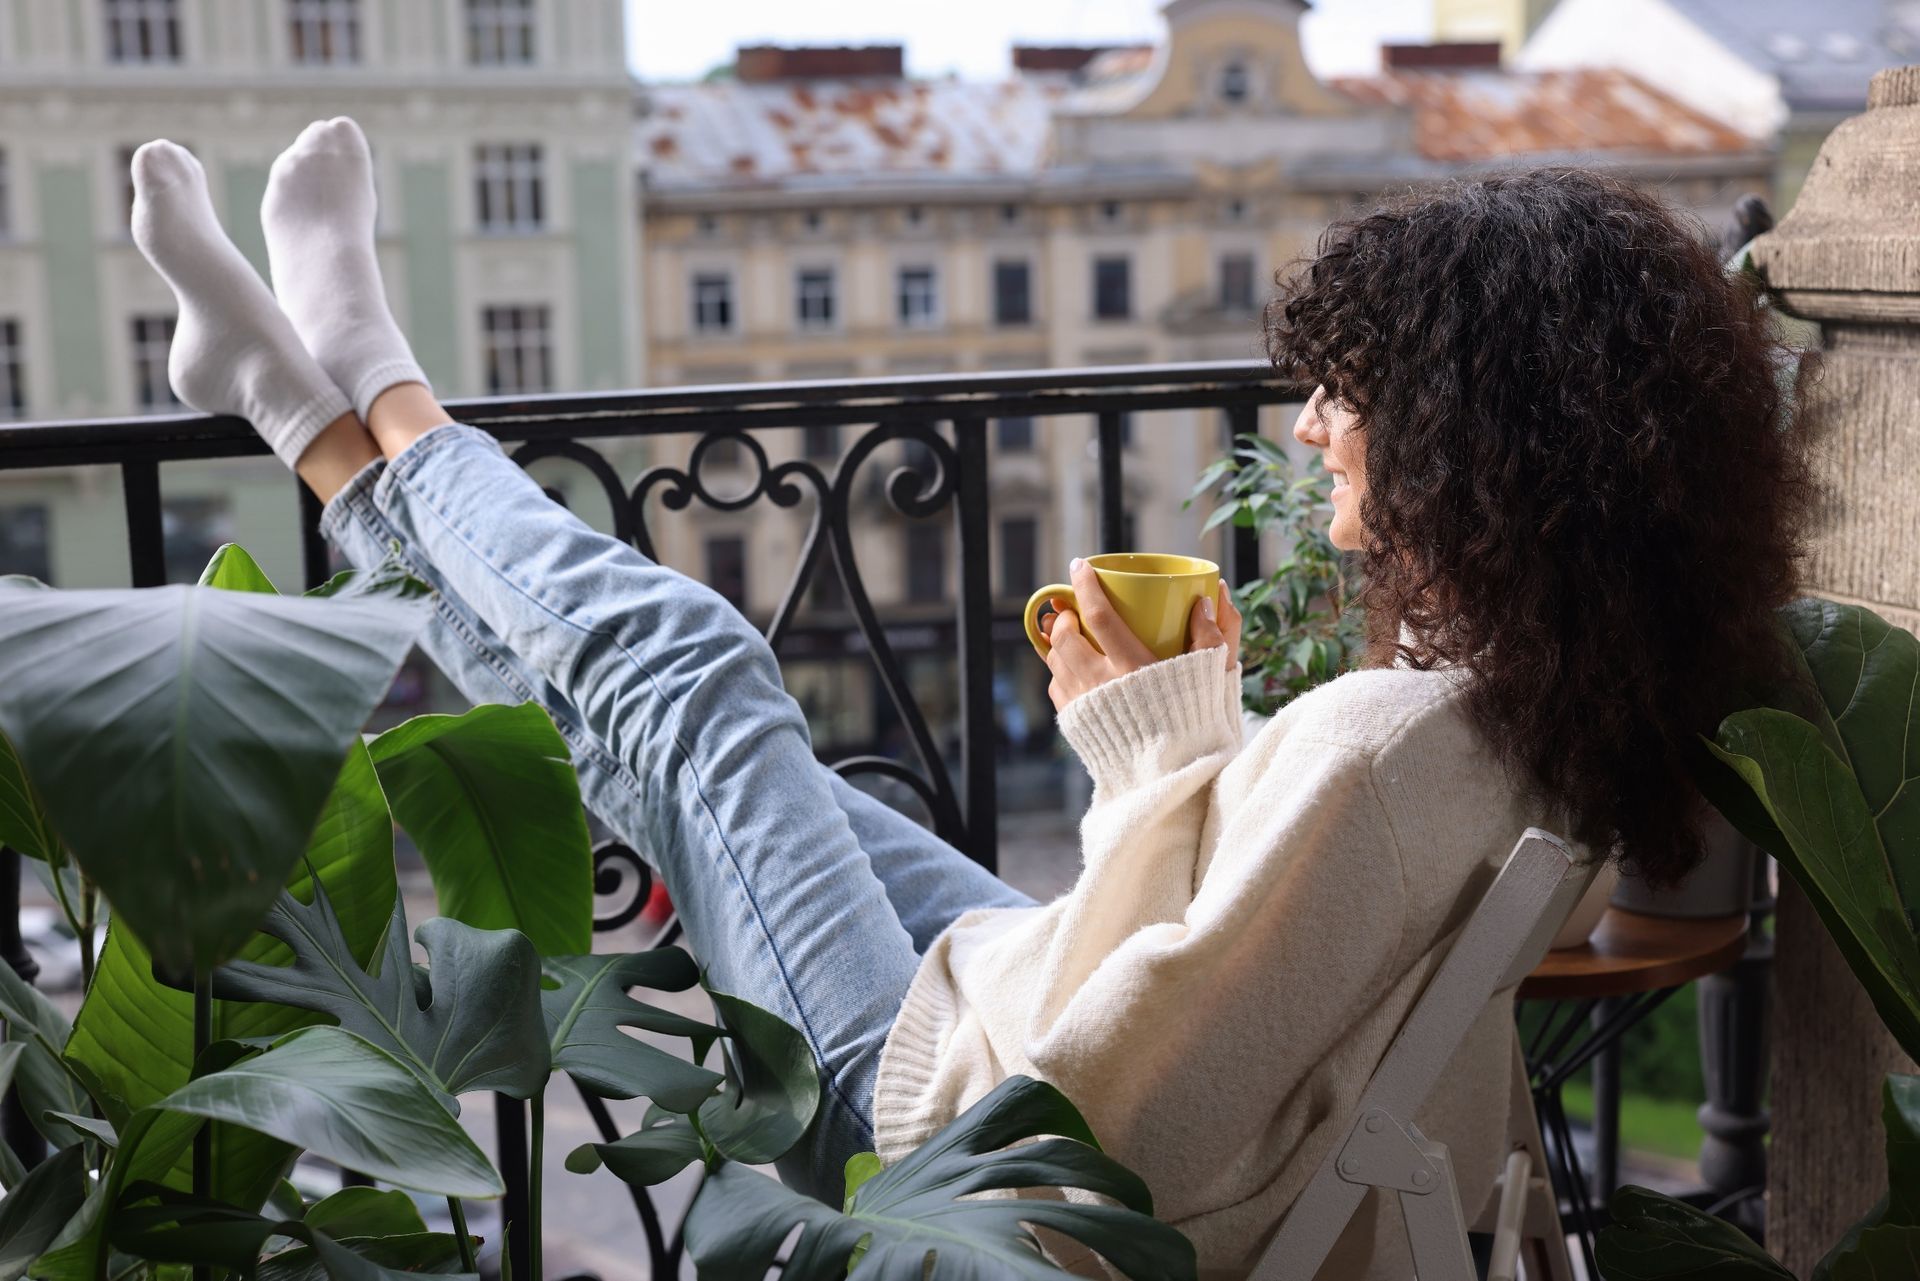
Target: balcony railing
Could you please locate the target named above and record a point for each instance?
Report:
(949, 416)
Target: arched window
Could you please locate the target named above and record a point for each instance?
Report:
(1236, 84)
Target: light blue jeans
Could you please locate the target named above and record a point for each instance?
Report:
(797, 891)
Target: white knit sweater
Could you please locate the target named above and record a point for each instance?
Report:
(1252, 922)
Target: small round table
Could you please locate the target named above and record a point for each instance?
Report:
(1626, 968)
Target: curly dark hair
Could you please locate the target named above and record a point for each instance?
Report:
(1585, 482)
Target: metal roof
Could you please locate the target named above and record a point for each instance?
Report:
(1822, 51)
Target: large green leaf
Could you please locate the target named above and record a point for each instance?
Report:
(772, 1090)
(1882, 1246)
(480, 1027)
(185, 739)
(492, 800)
(589, 1006)
(41, 1031)
(1654, 1238)
(33, 1213)
(348, 1101)
(135, 1034)
(182, 1229)
(24, 824)
(904, 1214)
(233, 570)
(665, 1144)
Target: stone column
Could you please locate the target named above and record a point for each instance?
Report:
(1848, 256)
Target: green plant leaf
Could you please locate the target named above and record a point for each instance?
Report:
(35, 1210)
(1653, 1237)
(416, 1254)
(11, 1171)
(1891, 1229)
(41, 1032)
(772, 1088)
(389, 579)
(1833, 851)
(135, 1034)
(346, 1100)
(587, 1010)
(740, 1219)
(24, 824)
(365, 1212)
(186, 1230)
(230, 716)
(480, 1027)
(492, 800)
(664, 1145)
(233, 570)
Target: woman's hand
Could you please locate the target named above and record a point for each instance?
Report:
(1078, 667)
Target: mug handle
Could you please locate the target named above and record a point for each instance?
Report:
(1035, 603)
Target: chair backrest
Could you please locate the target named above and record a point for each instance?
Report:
(1501, 943)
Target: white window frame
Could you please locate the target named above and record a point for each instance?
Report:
(150, 340)
(501, 33)
(712, 286)
(805, 291)
(142, 31)
(919, 309)
(517, 337)
(509, 188)
(13, 368)
(323, 33)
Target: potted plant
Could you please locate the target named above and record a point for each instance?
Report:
(193, 757)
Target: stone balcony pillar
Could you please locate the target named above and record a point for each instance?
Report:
(1848, 257)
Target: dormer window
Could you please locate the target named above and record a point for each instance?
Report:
(1236, 83)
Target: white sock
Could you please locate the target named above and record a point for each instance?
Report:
(233, 351)
(318, 216)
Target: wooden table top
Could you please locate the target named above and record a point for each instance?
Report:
(1630, 953)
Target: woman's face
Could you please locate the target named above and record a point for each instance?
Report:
(1332, 429)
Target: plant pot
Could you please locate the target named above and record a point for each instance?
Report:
(1721, 886)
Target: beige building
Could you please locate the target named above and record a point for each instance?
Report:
(819, 215)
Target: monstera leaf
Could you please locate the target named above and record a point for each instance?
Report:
(912, 1211)
(492, 800)
(772, 1090)
(135, 1035)
(477, 1026)
(589, 1006)
(1836, 780)
(221, 719)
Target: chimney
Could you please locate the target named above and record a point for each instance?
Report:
(766, 63)
(1039, 59)
(1474, 56)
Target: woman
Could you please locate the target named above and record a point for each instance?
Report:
(1551, 424)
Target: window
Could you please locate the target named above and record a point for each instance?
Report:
(926, 562)
(24, 545)
(727, 568)
(143, 30)
(1235, 84)
(191, 531)
(821, 443)
(1126, 431)
(13, 386)
(1019, 556)
(813, 298)
(1236, 282)
(915, 215)
(1112, 288)
(1110, 211)
(1012, 292)
(499, 32)
(825, 591)
(324, 32)
(919, 298)
(507, 188)
(713, 303)
(152, 339)
(811, 220)
(1010, 214)
(518, 354)
(1014, 435)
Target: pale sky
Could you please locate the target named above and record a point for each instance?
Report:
(682, 39)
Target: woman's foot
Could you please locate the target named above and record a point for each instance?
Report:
(319, 221)
(233, 351)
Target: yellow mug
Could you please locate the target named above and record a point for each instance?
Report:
(1153, 594)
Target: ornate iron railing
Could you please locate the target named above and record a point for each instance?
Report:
(948, 416)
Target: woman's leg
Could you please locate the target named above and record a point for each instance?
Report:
(928, 883)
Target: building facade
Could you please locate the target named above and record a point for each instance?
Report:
(500, 134)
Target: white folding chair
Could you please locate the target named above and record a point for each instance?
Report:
(1502, 941)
